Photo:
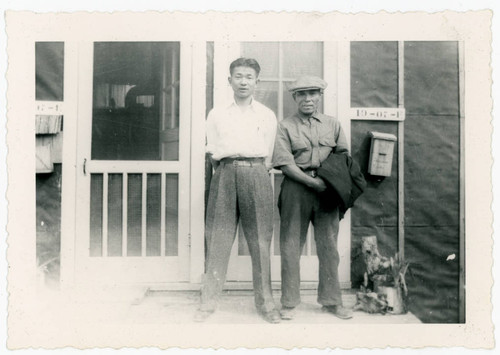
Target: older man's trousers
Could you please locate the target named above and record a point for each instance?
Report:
(239, 192)
(299, 205)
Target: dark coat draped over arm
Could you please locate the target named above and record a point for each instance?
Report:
(343, 175)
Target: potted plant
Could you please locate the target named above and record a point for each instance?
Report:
(385, 276)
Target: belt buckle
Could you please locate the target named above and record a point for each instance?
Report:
(237, 162)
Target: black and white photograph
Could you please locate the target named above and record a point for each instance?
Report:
(269, 174)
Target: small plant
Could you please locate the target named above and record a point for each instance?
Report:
(392, 283)
(398, 268)
(386, 276)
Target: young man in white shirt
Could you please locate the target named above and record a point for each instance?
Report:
(240, 141)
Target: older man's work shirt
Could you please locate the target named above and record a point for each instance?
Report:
(307, 142)
(236, 133)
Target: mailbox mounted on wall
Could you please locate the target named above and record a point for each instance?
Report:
(381, 153)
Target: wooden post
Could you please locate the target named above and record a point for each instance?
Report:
(401, 159)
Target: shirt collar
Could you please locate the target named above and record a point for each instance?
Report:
(252, 104)
(316, 115)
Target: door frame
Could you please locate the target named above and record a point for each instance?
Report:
(336, 71)
(341, 97)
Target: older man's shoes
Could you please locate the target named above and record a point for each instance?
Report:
(338, 311)
(286, 313)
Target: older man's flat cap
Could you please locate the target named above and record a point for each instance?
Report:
(307, 83)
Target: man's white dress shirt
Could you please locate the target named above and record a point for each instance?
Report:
(236, 133)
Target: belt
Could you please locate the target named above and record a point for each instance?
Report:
(242, 161)
(311, 172)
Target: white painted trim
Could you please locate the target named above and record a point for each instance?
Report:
(197, 176)
(344, 85)
(163, 208)
(132, 166)
(280, 95)
(83, 144)
(105, 213)
(69, 166)
(344, 105)
(221, 53)
(144, 209)
(184, 197)
(330, 75)
(125, 214)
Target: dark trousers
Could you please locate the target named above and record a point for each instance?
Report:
(299, 205)
(239, 192)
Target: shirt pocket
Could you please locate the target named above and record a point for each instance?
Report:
(327, 141)
(298, 144)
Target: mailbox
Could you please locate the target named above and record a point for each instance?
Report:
(381, 153)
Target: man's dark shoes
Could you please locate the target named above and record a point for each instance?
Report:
(271, 316)
(202, 315)
(287, 313)
(338, 311)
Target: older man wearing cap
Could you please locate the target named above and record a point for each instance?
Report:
(303, 141)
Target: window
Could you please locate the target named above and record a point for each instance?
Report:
(282, 63)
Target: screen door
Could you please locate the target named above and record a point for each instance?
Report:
(133, 148)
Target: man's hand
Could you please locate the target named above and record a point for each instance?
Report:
(294, 173)
(319, 185)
